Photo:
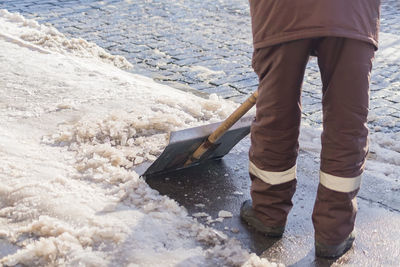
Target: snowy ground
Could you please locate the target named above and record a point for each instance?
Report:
(72, 125)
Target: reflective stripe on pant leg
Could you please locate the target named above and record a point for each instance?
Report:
(339, 184)
(273, 178)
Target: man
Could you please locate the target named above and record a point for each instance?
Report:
(343, 35)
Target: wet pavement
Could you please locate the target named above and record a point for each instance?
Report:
(224, 185)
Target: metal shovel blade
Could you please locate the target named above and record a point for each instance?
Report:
(183, 143)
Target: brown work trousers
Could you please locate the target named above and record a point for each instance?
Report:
(345, 66)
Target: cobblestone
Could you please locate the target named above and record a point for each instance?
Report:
(206, 45)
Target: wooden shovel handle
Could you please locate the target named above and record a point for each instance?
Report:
(225, 125)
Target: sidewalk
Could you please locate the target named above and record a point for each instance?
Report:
(206, 45)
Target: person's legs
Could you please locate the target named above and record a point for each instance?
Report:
(345, 66)
(275, 130)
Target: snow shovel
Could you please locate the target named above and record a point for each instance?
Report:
(193, 146)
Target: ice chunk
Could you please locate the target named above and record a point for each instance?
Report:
(200, 214)
(224, 214)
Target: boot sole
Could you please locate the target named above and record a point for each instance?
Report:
(332, 252)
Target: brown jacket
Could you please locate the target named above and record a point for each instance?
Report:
(278, 21)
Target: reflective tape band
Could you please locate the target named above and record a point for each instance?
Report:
(339, 184)
(273, 178)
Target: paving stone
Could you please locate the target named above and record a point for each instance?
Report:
(309, 101)
(315, 117)
(380, 102)
(394, 98)
(247, 83)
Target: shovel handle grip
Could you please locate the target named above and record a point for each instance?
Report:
(225, 125)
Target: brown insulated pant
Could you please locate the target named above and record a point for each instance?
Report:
(345, 66)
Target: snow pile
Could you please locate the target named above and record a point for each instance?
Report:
(122, 139)
(72, 128)
(384, 155)
(127, 139)
(385, 147)
(50, 38)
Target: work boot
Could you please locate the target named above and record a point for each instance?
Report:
(248, 215)
(334, 251)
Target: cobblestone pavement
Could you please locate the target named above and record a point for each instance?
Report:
(206, 45)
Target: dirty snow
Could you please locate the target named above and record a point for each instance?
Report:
(72, 127)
